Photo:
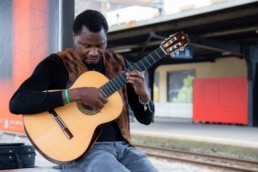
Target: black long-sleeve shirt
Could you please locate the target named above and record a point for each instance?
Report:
(51, 74)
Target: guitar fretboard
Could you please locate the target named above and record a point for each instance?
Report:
(116, 83)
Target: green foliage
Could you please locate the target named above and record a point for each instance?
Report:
(156, 93)
(185, 95)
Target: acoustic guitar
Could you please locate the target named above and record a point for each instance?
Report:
(66, 133)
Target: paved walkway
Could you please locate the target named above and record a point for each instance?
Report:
(170, 128)
(234, 135)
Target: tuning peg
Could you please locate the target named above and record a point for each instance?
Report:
(182, 48)
(165, 40)
(171, 35)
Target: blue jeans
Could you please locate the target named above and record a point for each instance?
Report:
(115, 156)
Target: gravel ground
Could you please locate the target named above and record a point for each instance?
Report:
(165, 166)
(161, 165)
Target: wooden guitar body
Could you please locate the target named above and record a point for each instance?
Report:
(47, 135)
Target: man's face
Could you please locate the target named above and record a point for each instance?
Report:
(90, 45)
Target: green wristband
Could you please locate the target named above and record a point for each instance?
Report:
(67, 97)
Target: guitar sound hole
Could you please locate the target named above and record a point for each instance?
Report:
(86, 109)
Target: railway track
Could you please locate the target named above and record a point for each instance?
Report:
(219, 162)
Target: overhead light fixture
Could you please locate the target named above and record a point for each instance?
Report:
(123, 50)
(225, 53)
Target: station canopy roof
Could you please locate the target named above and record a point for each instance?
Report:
(217, 31)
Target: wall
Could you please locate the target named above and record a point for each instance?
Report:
(27, 44)
(221, 68)
(220, 100)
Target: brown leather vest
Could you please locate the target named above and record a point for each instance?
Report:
(114, 64)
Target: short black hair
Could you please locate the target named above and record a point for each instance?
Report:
(92, 19)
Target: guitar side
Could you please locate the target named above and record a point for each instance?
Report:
(47, 136)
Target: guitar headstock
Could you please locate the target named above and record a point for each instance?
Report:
(175, 43)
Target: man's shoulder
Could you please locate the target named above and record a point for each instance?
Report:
(52, 58)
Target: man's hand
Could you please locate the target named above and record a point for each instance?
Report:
(137, 80)
(88, 95)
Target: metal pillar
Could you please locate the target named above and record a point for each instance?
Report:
(251, 55)
(66, 17)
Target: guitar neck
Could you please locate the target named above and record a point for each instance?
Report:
(116, 83)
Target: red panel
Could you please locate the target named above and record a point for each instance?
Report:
(222, 100)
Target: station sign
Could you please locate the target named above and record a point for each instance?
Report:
(187, 53)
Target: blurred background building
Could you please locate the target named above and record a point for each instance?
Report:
(213, 80)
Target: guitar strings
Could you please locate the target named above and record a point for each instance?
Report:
(114, 84)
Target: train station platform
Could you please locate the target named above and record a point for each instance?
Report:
(237, 140)
(221, 139)
(185, 129)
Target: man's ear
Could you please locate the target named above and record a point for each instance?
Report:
(74, 35)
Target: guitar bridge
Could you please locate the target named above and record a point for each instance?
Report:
(61, 124)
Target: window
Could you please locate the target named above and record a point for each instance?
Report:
(180, 86)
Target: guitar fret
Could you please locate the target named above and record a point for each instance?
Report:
(110, 88)
(141, 61)
(117, 86)
(147, 62)
(137, 67)
(114, 84)
(106, 90)
(119, 79)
